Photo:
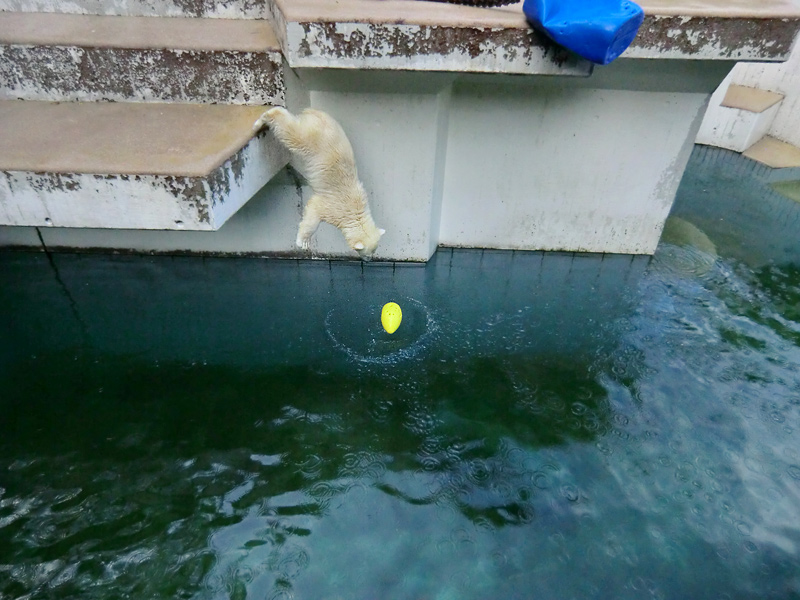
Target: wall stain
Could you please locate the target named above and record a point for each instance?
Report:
(427, 40)
(770, 38)
(124, 74)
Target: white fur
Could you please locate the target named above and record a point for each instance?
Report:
(323, 155)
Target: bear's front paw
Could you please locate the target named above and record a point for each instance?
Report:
(304, 244)
(260, 123)
(276, 111)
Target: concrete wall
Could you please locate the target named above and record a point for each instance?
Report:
(550, 168)
(783, 78)
(480, 161)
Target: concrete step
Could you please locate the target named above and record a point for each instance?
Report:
(130, 165)
(418, 36)
(61, 57)
(750, 99)
(774, 153)
(225, 9)
(740, 118)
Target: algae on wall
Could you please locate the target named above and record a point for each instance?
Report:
(790, 189)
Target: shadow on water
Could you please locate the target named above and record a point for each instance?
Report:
(206, 428)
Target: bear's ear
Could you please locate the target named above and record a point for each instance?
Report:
(381, 231)
(359, 246)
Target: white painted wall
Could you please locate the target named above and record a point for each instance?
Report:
(550, 168)
(82, 200)
(785, 79)
(784, 120)
(395, 139)
(266, 224)
(733, 128)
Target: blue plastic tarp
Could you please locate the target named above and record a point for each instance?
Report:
(598, 30)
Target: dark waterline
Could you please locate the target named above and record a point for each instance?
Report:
(541, 425)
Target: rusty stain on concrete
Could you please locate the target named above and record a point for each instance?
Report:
(52, 182)
(206, 8)
(678, 36)
(387, 40)
(720, 38)
(390, 41)
(72, 73)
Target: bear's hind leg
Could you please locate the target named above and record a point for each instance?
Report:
(309, 223)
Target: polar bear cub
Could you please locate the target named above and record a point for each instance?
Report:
(323, 155)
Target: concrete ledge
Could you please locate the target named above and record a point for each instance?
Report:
(724, 37)
(130, 166)
(224, 9)
(738, 116)
(774, 153)
(750, 99)
(402, 34)
(75, 57)
(423, 36)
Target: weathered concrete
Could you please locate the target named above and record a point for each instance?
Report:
(423, 36)
(400, 161)
(90, 58)
(717, 37)
(131, 166)
(484, 161)
(394, 34)
(428, 48)
(590, 166)
(774, 153)
(225, 9)
(784, 124)
(267, 224)
(738, 116)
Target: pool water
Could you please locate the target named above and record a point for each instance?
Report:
(540, 426)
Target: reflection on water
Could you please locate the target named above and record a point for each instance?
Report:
(566, 427)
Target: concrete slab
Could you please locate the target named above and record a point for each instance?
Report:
(223, 9)
(402, 34)
(722, 8)
(120, 138)
(454, 15)
(77, 57)
(421, 36)
(129, 165)
(136, 32)
(738, 116)
(719, 30)
(750, 99)
(774, 153)
(531, 168)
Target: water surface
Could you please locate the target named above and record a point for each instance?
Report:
(541, 426)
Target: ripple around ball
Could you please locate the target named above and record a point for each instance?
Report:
(354, 329)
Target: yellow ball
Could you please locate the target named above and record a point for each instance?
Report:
(391, 315)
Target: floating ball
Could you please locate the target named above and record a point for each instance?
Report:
(391, 315)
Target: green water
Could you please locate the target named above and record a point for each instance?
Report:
(541, 426)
